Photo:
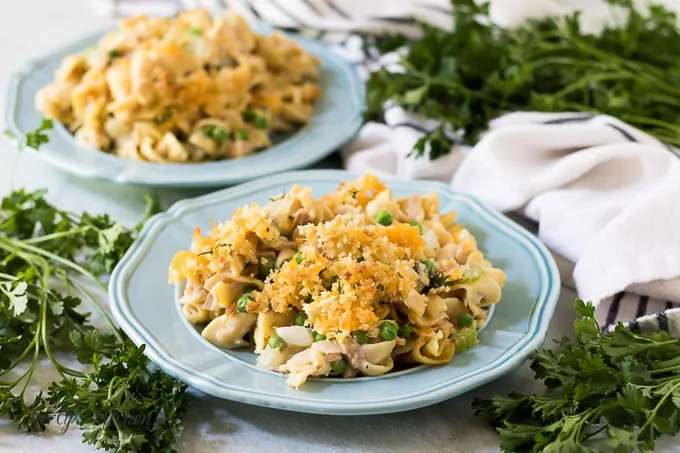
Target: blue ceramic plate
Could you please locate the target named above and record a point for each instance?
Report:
(146, 307)
(336, 120)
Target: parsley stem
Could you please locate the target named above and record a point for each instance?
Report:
(663, 399)
(601, 77)
(21, 357)
(650, 121)
(61, 234)
(31, 369)
(99, 309)
(665, 370)
(52, 256)
(46, 343)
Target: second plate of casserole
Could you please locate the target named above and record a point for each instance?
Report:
(251, 102)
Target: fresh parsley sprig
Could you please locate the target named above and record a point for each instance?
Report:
(465, 78)
(34, 139)
(620, 385)
(47, 257)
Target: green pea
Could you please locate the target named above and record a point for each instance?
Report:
(420, 227)
(431, 266)
(208, 130)
(260, 122)
(249, 115)
(361, 259)
(115, 53)
(383, 217)
(194, 31)
(276, 342)
(266, 266)
(242, 303)
(219, 134)
(338, 367)
(243, 134)
(300, 318)
(360, 336)
(298, 257)
(465, 340)
(319, 336)
(465, 320)
(388, 330)
(406, 330)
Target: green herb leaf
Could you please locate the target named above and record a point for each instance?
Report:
(16, 296)
(620, 382)
(34, 139)
(464, 78)
(125, 404)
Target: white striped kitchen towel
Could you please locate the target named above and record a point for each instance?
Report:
(631, 283)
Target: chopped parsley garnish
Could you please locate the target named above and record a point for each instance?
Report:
(215, 247)
(163, 116)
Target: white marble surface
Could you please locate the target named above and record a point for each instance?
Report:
(29, 28)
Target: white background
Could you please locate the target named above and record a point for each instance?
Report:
(32, 27)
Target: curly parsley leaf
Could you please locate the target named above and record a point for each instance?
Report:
(124, 405)
(93, 345)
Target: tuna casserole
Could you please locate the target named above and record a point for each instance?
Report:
(353, 283)
(184, 89)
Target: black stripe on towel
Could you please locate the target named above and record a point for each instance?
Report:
(614, 309)
(415, 127)
(310, 4)
(279, 5)
(634, 326)
(570, 119)
(424, 130)
(623, 132)
(225, 6)
(396, 20)
(669, 305)
(673, 151)
(331, 4)
(642, 306)
(663, 321)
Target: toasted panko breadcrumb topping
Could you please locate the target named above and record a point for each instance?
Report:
(333, 260)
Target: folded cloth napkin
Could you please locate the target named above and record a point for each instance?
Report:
(603, 193)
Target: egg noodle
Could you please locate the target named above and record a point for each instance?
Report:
(349, 284)
(184, 89)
